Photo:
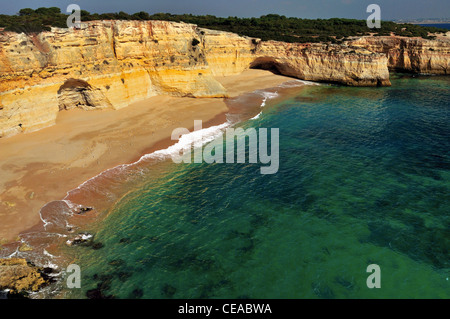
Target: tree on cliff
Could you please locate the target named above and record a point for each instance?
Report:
(26, 12)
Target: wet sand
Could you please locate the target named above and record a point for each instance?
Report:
(42, 166)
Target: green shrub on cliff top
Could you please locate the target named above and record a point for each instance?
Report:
(267, 27)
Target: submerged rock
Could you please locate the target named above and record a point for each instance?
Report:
(137, 293)
(168, 290)
(97, 246)
(125, 240)
(97, 294)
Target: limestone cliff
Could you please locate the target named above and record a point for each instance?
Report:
(106, 64)
(411, 54)
(227, 53)
(114, 63)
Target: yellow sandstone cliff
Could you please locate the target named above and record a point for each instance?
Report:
(110, 64)
(227, 54)
(411, 54)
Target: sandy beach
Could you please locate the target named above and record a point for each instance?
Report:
(42, 166)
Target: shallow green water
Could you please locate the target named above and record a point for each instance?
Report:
(364, 179)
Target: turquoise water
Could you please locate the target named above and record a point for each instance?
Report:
(364, 179)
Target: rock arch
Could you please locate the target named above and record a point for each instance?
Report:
(78, 93)
(266, 63)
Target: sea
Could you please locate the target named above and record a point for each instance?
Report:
(438, 25)
(363, 180)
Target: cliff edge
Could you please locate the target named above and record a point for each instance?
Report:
(110, 64)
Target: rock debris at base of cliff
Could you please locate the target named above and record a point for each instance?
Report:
(18, 277)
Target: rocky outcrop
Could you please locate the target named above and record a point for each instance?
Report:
(411, 54)
(19, 277)
(326, 63)
(77, 93)
(110, 64)
(227, 54)
(107, 64)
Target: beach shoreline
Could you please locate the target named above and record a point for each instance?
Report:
(42, 166)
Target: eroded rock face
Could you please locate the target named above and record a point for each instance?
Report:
(411, 54)
(116, 63)
(18, 276)
(77, 93)
(120, 61)
(328, 63)
(228, 53)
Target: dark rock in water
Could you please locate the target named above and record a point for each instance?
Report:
(345, 283)
(224, 282)
(94, 294)
(419, 242)
(97, 246)
(97, 294)
(204, 264)
(248, 246)
(123, 276)
(84, 210)
(324, 214)
(137, 293)
(84, 239)
(48, 274)
(322, 291)
(80, 239)
(102, 286)
(154, 239)
(168, 290)
(102, 277)
(125, 240)
(9, 295)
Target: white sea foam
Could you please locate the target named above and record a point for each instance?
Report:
(48, 254)
(267, 96)
(51, 265)
(72, 206)
(43, 220)
(185, 142)
(257, 116)
(15, 253)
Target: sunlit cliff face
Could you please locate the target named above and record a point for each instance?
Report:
(114, 63)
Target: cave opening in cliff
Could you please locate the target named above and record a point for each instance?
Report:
(76, 93)
(268, 64)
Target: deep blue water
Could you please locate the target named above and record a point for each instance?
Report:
(364, 179)
(438, 25)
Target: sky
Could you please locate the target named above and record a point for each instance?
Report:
(310, 9)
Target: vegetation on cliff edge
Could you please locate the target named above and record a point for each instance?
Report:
(268, 27)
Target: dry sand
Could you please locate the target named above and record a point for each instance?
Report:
(40, 167)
